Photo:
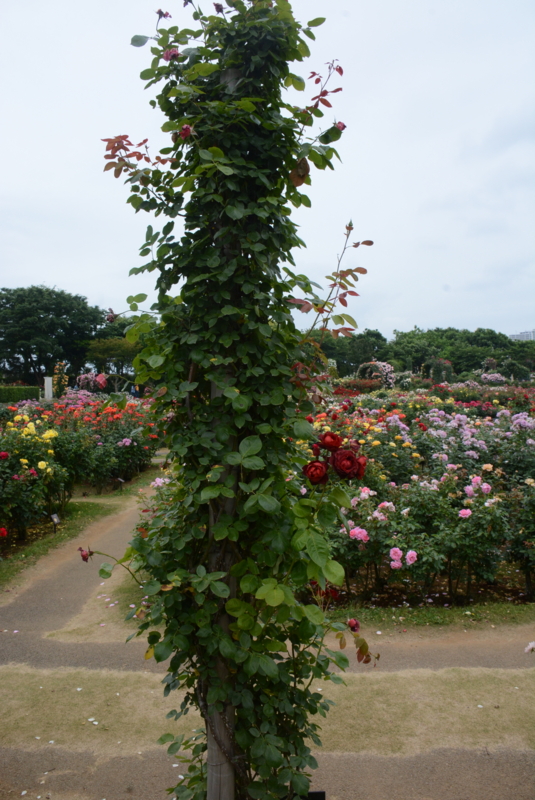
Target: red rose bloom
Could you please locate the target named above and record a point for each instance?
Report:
(354, 625)
(3, 532)
(422, 426)
(330, 441)
(4, 455)
(316, 449)
(346, 464)
(316, 472)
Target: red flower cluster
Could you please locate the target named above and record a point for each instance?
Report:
(344, 461)
(4, 455)
(3, 532)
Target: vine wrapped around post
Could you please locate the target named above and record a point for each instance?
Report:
(233, 544)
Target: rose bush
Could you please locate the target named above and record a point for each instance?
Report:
(46, 450)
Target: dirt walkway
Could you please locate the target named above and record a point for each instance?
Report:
(59, 588)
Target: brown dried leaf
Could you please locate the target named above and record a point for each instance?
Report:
(299, 172)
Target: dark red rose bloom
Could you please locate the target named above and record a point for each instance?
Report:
(330, 441)
(86, 554)
(422, 426)
(4, 455)
(310, 418)
(346, 464)
(354, 624)
(353, 445)
(316, 449)
(334, 416)
(316, 472)
(3, 532)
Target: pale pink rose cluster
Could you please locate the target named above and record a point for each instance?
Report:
(464, 513)
(477, 483)
(397, 555)
(360, 534)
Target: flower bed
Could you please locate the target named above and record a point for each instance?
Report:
(450, 490)
(45, 451)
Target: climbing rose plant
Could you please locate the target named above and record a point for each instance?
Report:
(233, 545)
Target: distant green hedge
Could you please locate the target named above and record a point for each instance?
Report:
(13, 394)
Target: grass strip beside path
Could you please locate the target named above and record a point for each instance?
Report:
(75, 518)
(405, 713)
(477, 616)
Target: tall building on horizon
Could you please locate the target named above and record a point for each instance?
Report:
(522, 337)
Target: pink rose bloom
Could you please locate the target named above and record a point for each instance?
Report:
(303, 490)
(486, 488)
(451, 466)
(171, 54)
(396, 554)
(464, 513)
(411, 557)
(476, 480)
(469, 491)
(341, 126)
(185, 131)
(396, 565)
(360, 534)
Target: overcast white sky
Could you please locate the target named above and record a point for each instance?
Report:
(438, 155)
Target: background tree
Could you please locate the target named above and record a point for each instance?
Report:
(40, 326)
(113, 355)
(350, 352)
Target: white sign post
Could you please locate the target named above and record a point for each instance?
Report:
(48, 389)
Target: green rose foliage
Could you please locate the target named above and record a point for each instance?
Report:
(233, 543)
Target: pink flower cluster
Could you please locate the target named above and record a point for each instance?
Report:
(397, 555)
(360, 534)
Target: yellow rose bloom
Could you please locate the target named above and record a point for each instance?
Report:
(487, 467)
(50, 452)
(362, 441)
(17, 418)
(375, 443)
(398, 437)
(392, 444)
(50, 434)
(9, 424)
(23, 460)
(25, 417)
(42, 465)
(48, 469)
(416, 455)
(406, 444)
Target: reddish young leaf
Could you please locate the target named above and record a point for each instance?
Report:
(325, 102)
(368, 242)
